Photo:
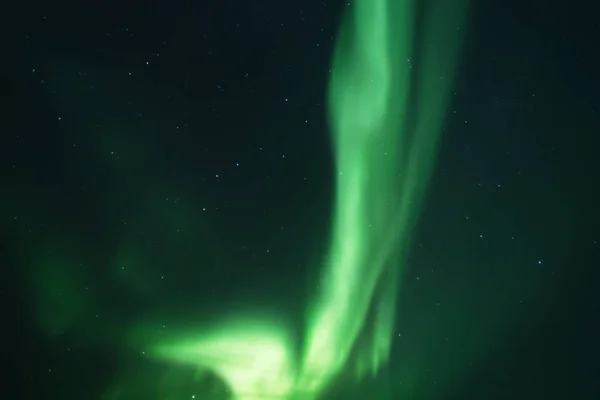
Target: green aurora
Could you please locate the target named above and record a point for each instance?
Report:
(385, 149)
(392, 77)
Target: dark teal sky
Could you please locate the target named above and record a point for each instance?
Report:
(174, 160)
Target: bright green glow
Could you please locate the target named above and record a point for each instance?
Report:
(252, 357)
(383, 161)
(386, 122)
(370, 82)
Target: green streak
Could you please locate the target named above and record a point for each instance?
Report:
(384, 158)
(388, 95)
(383, 163)
(369, 85)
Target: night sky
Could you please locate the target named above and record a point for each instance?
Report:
(165, 164)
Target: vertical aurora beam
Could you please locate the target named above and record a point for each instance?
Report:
(386, 122)
(368, 93)
(384, 158)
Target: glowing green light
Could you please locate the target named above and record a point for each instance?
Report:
(383, 162)
(385, 123)
(253, 358)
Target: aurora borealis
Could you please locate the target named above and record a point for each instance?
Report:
(262, 203)
(382, 171)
